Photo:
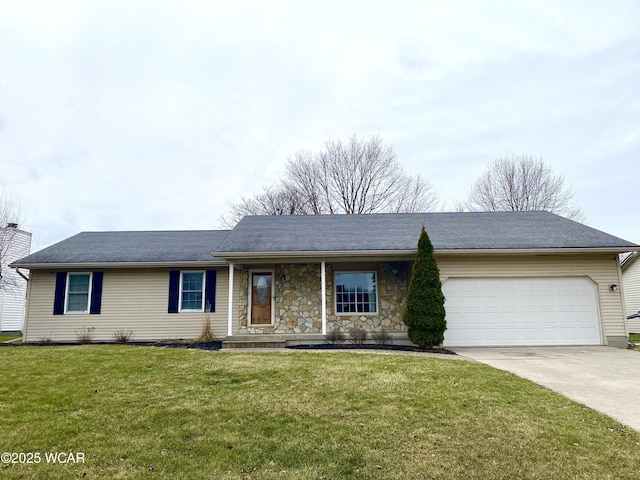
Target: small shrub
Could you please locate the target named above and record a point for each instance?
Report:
(46, 341)
(358, 335)
(85, 335)
(122, 336)
(336, 336)
(206, 335)
(382, 337)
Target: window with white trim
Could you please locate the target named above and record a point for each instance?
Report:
(78, 293)
(191, 291)
(356, 292)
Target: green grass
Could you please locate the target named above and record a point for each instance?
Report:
(145, 412)
(6, 338)
(634, 337)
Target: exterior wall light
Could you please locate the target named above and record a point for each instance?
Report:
(613, 287)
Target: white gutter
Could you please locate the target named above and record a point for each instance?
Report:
(370, 253)
(57, 266)
(225, 257)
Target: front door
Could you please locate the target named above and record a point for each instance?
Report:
(261, 295)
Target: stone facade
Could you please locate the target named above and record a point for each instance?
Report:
(298, 300)
(393, 284)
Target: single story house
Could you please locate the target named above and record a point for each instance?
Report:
(631, 286)
(509, 278)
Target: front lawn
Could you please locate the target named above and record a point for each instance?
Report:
(6, 338)
(173, 413)
(634, 337)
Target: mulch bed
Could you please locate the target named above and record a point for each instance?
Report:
(199, 345)
(398, 348)
(217, 345)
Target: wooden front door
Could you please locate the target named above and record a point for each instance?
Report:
(261, 297)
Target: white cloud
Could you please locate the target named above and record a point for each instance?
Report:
(151, 115)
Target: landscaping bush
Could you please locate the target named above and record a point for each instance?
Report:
(336, 336)
(382, 337)
(85, 335)
(424, 313)
(122, 336)
(206, 335)
(358, 335)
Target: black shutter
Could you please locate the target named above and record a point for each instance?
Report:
(174, 290)
(96, 293)
(58, 298)
(210, 290)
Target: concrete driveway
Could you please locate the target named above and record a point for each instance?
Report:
(604, 378)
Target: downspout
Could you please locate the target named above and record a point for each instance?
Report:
(27, 301)
(17, 269)
(621, 293)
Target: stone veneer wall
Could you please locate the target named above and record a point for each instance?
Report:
(393, 284)
(298, 299)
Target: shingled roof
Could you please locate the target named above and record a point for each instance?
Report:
(459, 231)
(106, 248)
(300, 235)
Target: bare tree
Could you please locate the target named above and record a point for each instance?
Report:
(354, 177)
(271, 201)
(9, 218)
(523, 183)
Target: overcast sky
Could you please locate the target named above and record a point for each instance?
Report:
(156, 115)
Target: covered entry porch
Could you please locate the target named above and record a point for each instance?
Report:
(303, 300)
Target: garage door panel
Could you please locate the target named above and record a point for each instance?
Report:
(521, 311)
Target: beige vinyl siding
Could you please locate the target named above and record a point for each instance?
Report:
(132, 299)
(136, 299)
(631, 289)
(601, 269)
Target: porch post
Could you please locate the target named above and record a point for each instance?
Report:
(230, 314)
(323, 279)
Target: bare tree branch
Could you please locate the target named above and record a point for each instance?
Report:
(354, 177)
(522, 183)
(9, 215)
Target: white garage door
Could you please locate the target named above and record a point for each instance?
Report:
(521, 311)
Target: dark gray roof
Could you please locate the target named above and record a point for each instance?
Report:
(448, 231)
(137, 247)
(293, 234)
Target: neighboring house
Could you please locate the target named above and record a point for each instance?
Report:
(510, 278)
(631, 287)
(14, 244)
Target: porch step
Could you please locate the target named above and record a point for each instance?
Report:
(253, 344)
(271, 340)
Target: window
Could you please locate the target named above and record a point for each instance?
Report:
(356, 292)
(78, 292)
(192, 291)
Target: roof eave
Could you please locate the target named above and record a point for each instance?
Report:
(106, 265)
(630, 259)
(444, 251)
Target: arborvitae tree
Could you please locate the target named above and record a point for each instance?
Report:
(424, 313)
